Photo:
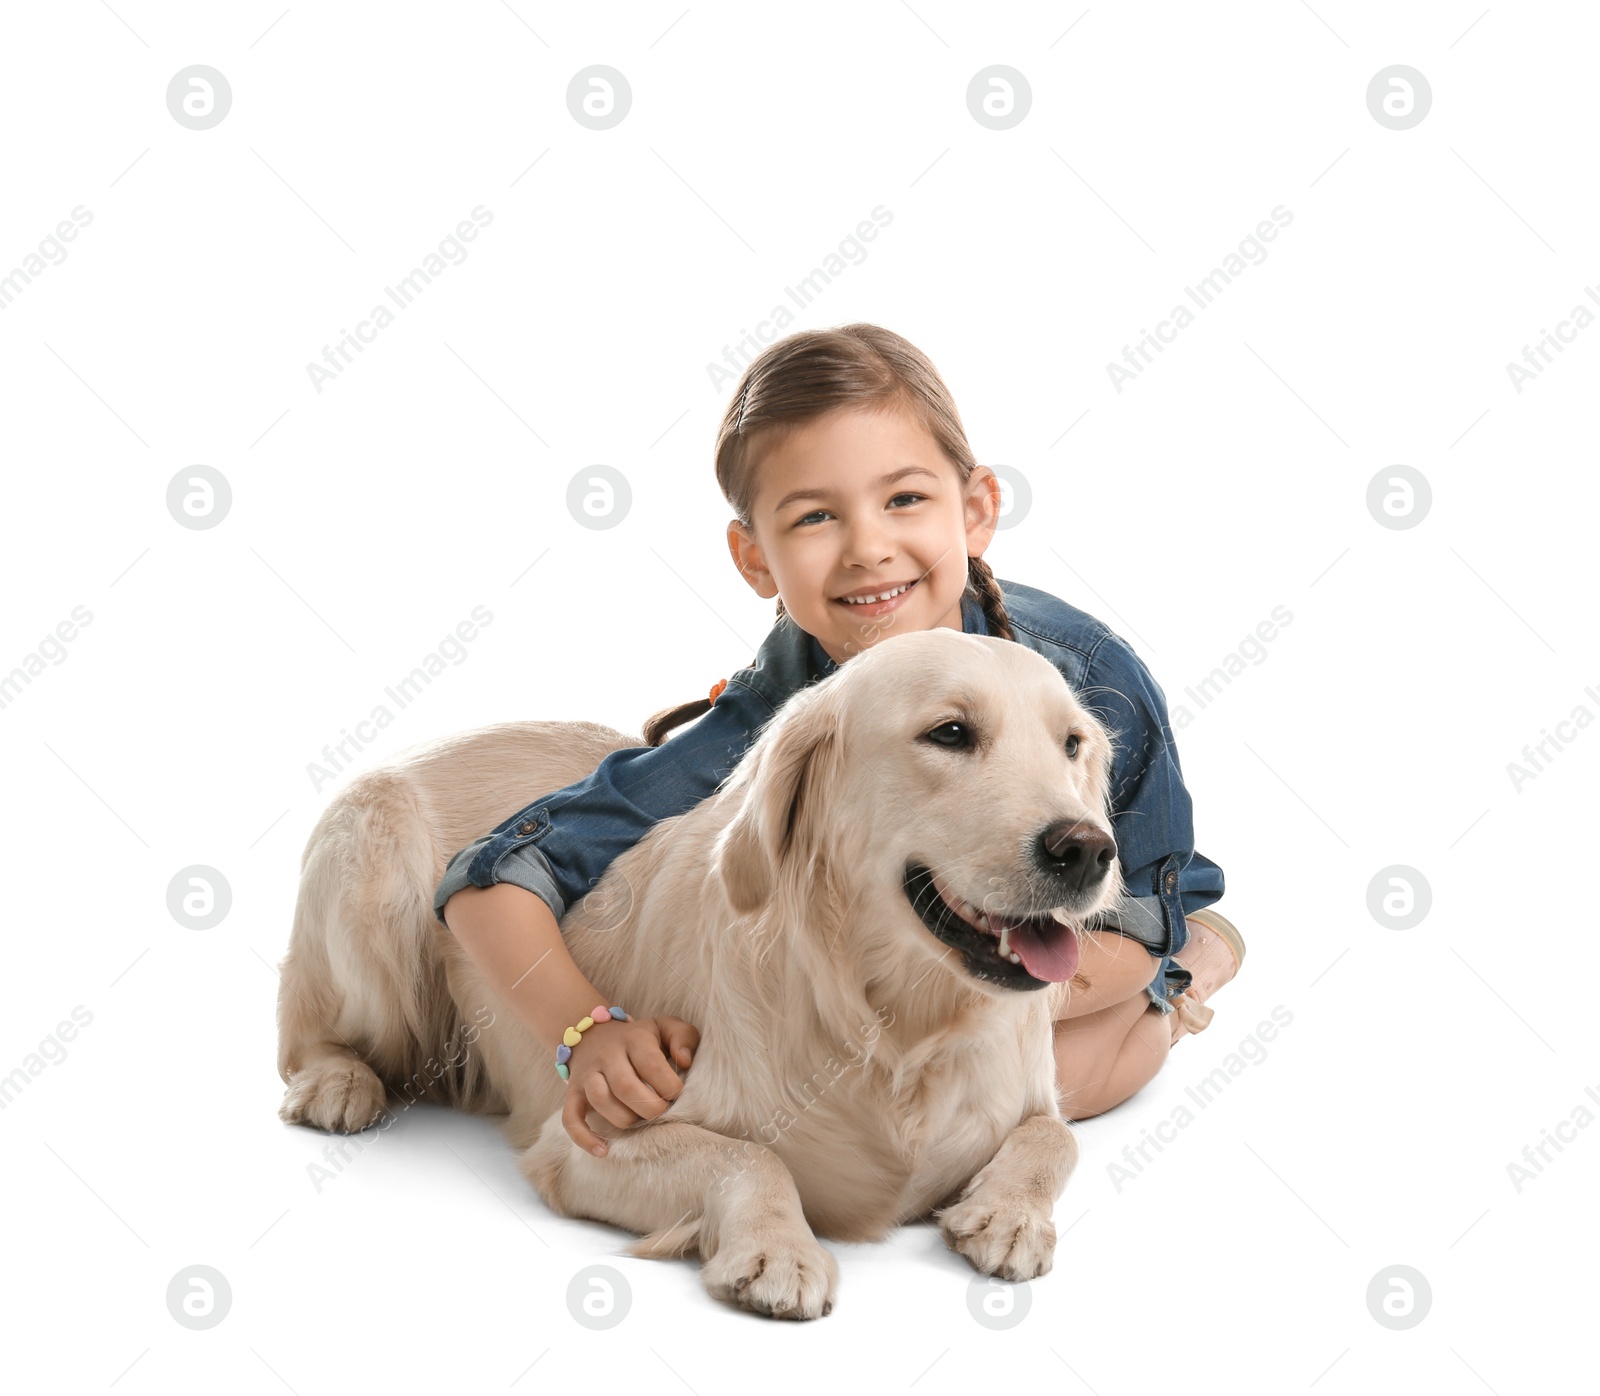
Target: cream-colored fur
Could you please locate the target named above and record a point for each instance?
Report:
(852, 1074)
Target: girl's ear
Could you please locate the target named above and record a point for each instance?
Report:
(778, 824)
(746, 554)
(982, 508)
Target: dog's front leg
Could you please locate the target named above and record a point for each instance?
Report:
(1002, 1221)
(732, 1201)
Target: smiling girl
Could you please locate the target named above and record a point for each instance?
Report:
(861, 508)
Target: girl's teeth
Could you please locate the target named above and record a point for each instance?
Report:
(869, 600)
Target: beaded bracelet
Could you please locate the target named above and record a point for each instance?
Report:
(573, 1035)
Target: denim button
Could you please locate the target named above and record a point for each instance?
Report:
(525, 828)
(1172, 881)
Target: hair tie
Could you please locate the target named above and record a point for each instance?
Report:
(717, 688)
(573, 1035)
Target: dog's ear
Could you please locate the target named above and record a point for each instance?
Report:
(784, 798)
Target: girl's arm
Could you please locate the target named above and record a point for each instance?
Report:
(507, 892)
(619, 1069)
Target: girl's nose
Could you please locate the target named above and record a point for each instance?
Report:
(866, 543)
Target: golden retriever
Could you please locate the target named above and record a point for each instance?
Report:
(832, 919)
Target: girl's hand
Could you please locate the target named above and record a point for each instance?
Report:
(624, 1071)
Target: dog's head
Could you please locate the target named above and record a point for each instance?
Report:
(953, 791)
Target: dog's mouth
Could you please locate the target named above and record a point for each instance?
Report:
(1020, 952)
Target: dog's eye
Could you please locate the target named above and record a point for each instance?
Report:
(1072, 746)
(951, 734)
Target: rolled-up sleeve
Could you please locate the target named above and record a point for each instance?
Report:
(560, 846)
(1152, 815)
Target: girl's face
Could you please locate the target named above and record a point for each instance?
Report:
(859, 503)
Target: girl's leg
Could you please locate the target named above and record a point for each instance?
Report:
(1103, 1058)
(1110, 1039)
(1115, 966)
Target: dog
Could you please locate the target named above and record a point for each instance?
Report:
(860, 921)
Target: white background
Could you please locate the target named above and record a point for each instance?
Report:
(430, 477)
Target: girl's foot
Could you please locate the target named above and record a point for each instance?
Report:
(1213, 956)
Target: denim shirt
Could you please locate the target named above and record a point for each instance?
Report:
(559, 846)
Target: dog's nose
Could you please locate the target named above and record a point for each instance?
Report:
(1079, 853)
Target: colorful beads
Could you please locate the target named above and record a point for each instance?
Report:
(574, 1035)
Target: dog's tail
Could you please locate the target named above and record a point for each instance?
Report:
(680, 1239)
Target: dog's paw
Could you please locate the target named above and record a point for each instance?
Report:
(1001, 1233)
(340, 1096)
(778, 1275)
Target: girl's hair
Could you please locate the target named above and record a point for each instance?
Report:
(798, 379)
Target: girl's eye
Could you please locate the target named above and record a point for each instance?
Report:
(815, 512)
(1072, 746)
(951, 734)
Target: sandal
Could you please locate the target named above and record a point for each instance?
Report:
(1213, 955)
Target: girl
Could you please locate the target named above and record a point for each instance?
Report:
(860, 506)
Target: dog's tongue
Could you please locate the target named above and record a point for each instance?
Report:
(1049, 950)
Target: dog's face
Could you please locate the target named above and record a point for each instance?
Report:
(962, 786)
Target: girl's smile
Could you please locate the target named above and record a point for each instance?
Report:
(877, 601)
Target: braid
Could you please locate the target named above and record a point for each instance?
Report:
(980, 580)
(658, 725)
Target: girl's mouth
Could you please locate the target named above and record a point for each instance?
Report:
(881, 607)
